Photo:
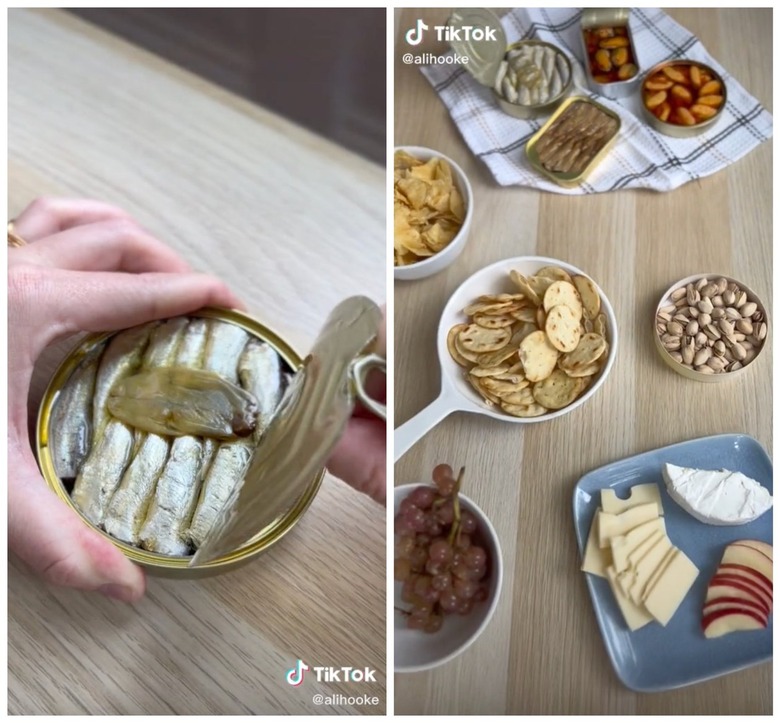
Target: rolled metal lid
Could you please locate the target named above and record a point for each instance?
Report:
(484, 55)
(307, 425)
(604, 17)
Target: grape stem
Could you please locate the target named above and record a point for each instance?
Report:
(455, 529)
(402, 611)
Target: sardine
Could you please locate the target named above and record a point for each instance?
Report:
(129, 505)
(121, 358)
(227, 468)
(224, 344)
(260, 372)
(177, 401)
(102, 472)
(71, 418)
(174, 499)
(164, 343)
(193, 344)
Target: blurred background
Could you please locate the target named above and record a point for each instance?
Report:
(329, 86)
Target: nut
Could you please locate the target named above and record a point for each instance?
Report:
(745, 326)
(733, 287)
(717, 301)
(671, 343)
(692, 328)
(760, 331)
(704, 319)
(748, 309)
(708, 290)
(739, 352)
(701, 339)
(675, 328)
(666, 316)
(704, 369)
(676, 356)
(712, 332)
(741, 299)
(701, 356)
(725, 327)
(734, 366)
(693, 312)
(716, 363)
(669, 309)
(680, 319)
(678, 294)
(722, 285)
(688, 351)
(729, 297)
(706, 306)
(692, 295)
(733, 314)
(758, 316)
(719, 348)
(701, 283)
(718, 313)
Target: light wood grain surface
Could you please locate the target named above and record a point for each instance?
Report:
(275, 211)
(542, 652)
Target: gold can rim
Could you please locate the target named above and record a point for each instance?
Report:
(156, 563)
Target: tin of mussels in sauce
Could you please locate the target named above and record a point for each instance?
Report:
(608, 52)
(159, 497)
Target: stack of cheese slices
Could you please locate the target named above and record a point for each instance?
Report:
(629, 547)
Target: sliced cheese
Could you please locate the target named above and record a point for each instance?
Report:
(661, 568)
(638, 495)
(596, 560)
(638, 575)
(664, 597)
(614, 525)
(623, 545)
(634, 616)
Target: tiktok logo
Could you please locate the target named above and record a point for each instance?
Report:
(415, 35)
(295, 674)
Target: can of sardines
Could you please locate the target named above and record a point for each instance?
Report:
(150, 432)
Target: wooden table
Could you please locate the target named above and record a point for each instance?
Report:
(542, 652)
(294, 224)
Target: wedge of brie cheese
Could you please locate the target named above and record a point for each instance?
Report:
(717, 497)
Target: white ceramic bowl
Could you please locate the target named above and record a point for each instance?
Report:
(447, 255)
(494, 279)
(416, 650)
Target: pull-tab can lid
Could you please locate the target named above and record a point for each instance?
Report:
(485, 50)
(306, 427)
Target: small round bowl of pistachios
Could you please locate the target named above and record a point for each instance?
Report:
(710, 327)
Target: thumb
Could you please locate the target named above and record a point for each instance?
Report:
(58, 545)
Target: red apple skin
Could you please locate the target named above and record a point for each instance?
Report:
(763, 547)
(741, 584)
(749, 620)
(722, 603)
(729, 567)
(740, 554)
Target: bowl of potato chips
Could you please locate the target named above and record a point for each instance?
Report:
(433, 207)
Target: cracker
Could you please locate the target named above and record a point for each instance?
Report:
(563, 328)
(538, 356)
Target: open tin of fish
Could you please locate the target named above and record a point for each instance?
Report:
(546, 150)
(608, 52)
(528, 78)
(279, 469)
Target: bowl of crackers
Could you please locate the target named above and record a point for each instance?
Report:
(432, 210)
(528, 339)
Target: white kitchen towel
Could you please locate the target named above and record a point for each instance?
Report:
(641, 157)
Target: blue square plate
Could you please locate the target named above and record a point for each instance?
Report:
(658, 658)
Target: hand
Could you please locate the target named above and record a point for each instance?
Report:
(360, 457)
(87, 267)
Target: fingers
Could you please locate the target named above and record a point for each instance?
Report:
(114, 245)
(49, 215)
(52, 539)
(103, 301)
(360, 458)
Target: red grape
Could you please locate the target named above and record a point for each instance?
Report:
(440, 472)
(449, 601)
(434, 623)
(404, 546)
(465, 589)
(422, 497)
(463, 541)
(402, 569)
(440, 551)
(442, 581)
(468, 523)
(475, 557)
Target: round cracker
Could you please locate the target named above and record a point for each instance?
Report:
(493, 321)
(540, 284)
(558, 390)
(478, 339)
(556, 273)
(501, 388)
(589, 349)
(526, 313)
(524, 397)
(490, 371)
(562, 292)
(523, 410)
(494, 358)
(600, 325)
(522, 283)
(487, 395)
(454, 353)
(538, 356)
(470, 356)
(563, 328)
(583, 372)
(589, 295)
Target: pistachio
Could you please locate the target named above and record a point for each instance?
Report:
(676, 356)
(704, 369)
(733, 314)
(703, 320)
(722, 284)
(750, 354)
(692, 328)
(719, 348)
(712, 332)
(701, 356)
(672, 343)
(680, 319)
(669, 309)
(739, 352)
(680, 303)
(666, 316)
(688, 351)
(716, 363)
(739, 336)
(741, 299)
(729, 297)
(693, 312)
(706, 306)
(678, 294)
(758, 316)
(733, 287)
(718, 313)
(708, 290)
(717, 301)
(701, 283)
(760, 331)
(748, 309)
(675, 328)
(725, 327)
(734, 366)
(692, 295)
(701, 339)
(660, 329)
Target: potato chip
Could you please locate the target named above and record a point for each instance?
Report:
(428, 208)
(539, 284)
(486, 394)
(590, 348)
(523, 410)
(589, 295)
(538, 356)
(600, 325)
(522, 283)
(562, 328)
(524, 396)
(497, 357)
(556, 273)
(526, 313)
(493, 321)
(489, 371)
(454, 353)
(558, 390)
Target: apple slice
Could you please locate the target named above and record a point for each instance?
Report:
(762, 547)
(749, 573)
(740, 583)
(723, 603)
(730, 620)
(728, 592)
(740, 554)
